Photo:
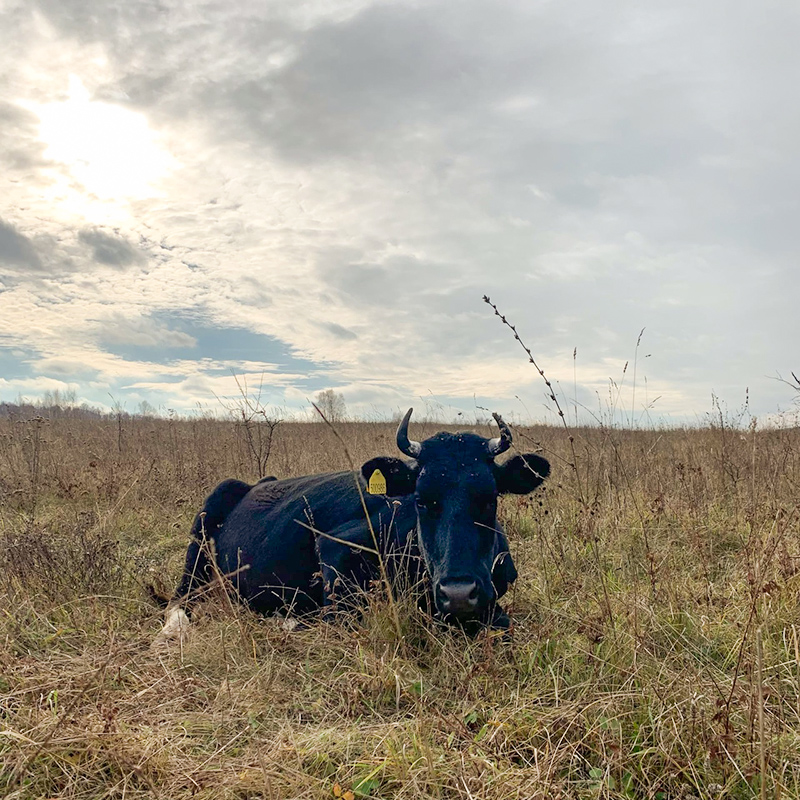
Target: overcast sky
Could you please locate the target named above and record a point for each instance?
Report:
(320, 193)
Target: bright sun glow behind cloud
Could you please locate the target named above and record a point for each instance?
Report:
(111, 151)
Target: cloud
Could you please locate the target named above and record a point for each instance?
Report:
(111, 249)
(339, 331)
(64, 367)
(16, 249)
(20, 151)
(36, 386)
(142, 332)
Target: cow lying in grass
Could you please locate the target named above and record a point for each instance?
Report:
(301, 544)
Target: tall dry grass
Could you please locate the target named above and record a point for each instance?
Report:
(655, 652)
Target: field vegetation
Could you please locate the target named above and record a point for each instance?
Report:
(655, 651)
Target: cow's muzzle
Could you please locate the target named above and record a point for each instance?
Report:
(460, 598)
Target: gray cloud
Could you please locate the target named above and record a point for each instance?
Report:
(339, 331)
(111, 249)
(16, 249)
(20, 151)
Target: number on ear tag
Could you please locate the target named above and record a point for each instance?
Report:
(377, 483)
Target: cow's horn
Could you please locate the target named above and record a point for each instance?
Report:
(503, 441)
(406, 445)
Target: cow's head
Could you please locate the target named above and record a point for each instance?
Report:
(456, 482)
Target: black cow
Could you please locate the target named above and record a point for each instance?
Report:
(304, 543)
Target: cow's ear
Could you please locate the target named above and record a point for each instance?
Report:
(390, 476)
(521, 474)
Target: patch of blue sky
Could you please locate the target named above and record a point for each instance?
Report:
(14, 363)
(214, 343)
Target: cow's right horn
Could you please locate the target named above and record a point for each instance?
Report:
(503, 441)
(406, 445)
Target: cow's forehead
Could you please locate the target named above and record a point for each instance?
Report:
(453, 453)
(472, 479)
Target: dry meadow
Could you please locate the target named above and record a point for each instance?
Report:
(655, 651)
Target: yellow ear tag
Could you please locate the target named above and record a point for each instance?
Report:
(377, 483)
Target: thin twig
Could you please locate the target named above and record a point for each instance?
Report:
(574, 463)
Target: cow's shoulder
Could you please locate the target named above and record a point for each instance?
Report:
(266, 494)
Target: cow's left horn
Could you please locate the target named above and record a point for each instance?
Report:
(503, 441)
(406, 445)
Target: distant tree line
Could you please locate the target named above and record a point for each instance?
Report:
(63, 403)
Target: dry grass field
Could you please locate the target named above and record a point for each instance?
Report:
(655, 651)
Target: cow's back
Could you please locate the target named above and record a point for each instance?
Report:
(267, 543)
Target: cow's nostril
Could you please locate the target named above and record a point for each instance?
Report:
(459, 597)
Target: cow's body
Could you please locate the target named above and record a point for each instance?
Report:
(301, 544)
(274, 541)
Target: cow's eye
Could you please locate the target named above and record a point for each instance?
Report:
(431, 505)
